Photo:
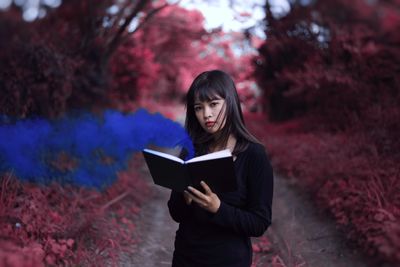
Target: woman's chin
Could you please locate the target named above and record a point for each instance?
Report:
(210, 131)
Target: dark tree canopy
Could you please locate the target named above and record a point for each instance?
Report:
(332, 58)
(62, 61)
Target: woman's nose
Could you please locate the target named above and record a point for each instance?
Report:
(207, 113)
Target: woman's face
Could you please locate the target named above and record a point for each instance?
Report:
(210, 114)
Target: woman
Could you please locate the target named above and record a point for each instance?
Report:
(215, 230)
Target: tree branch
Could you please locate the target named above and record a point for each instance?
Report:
(117, 38)
(147, 19)
(116, 20)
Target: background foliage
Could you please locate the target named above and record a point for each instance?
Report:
(328, 76)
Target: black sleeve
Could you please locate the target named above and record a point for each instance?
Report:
(256, 217)
(178, 209)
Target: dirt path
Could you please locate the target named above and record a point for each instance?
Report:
(156, 233)
(299, 235)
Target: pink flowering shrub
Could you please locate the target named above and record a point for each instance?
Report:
(347, 176)
(67, 225)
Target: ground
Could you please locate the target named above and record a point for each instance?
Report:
(302, 236)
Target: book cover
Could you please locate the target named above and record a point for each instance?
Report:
(216, 169)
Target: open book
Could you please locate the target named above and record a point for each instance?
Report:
(215, 169)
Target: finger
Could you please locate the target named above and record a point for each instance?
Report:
(187, 197)
(192, 196)
(206, 188)
(199, 201)
(197, 193)
(187, 194)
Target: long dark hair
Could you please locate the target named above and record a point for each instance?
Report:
(206, 87)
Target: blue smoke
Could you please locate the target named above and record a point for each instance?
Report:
(83, 148)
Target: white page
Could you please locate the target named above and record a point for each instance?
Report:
(164, 155)
(215, 155)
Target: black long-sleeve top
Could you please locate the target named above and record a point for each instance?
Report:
(223, 238)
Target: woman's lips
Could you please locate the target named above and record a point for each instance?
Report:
(210, 124)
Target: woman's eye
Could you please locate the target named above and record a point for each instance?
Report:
(213, 104)
(197, 108)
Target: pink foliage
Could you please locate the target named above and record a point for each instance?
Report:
(335, 92)
(65, 225)
(165, 55)
(347, 175)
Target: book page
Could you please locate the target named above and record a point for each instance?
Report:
(215, 155)
(164, 155)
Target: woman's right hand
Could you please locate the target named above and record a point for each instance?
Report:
(187, 197)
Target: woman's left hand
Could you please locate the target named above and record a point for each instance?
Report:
(208, 201)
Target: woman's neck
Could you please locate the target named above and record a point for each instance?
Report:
(229, 145)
